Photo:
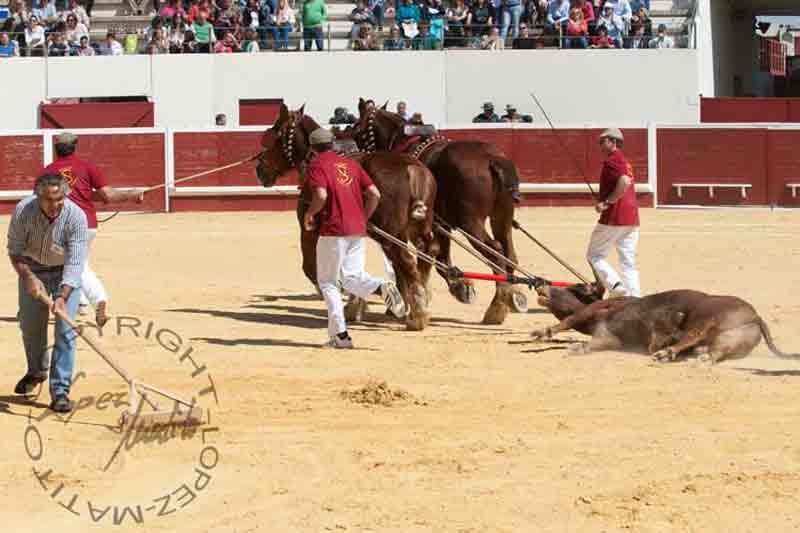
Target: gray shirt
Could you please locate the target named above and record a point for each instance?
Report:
(63, 241)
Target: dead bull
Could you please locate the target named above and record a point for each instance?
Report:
(664, 324)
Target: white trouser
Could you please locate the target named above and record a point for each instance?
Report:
(92, 290)
(388, 268)
(625, 239)
(345, 255)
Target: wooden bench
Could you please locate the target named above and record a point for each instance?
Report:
(793, 187)
(711, 186)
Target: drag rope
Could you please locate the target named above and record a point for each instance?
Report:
(552, 254)
(473, 253)
(485, 246)
(192, 177)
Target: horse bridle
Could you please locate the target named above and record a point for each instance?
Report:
(416, 153)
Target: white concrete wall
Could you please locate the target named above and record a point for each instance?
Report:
(628, 88)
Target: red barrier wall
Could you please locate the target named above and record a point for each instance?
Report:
(783, 166)
(197, 152)
(21, 158)
(712, 156)
(564, 156)
(743, 110)
(128, 160)
(96, 115)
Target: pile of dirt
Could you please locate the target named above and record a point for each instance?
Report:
(376, 393)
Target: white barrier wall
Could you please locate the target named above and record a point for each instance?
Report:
(628, 88)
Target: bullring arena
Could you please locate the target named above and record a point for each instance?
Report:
(493, 436)
(462, 427)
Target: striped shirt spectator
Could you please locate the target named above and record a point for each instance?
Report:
(47, 246)
(45, 243)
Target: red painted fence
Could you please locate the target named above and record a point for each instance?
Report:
(744, 110)
(552, 165)
(763, 160)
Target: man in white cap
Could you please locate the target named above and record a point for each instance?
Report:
(619, 220)
(87, 182)
(338, 185)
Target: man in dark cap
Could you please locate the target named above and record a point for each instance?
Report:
(338, 188)
(86, 182)
(488, 114)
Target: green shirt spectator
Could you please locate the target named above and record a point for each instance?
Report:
(425, 40)
(202, 32)
(315, 13)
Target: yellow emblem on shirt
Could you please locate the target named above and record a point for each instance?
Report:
(66, 172)
(343, 176)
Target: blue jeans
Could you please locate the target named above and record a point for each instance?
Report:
(377, 12)
(315, 33)
(576, 42)
(511, 15)
(281, 36)
(33, 317)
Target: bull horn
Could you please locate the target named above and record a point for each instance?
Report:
(301, 111)
(384, 106)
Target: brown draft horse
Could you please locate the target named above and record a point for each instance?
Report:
(408, 192)
(475, 180)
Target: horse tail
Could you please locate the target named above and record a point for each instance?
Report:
(504, 172)
(417, 175)
(774, 349)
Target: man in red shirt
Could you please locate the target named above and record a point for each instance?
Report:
(87, 183)
(619, 220)
(338, 185)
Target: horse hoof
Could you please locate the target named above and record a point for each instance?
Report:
(417, 322)
(519, 302)
(354, 310)
(495, 315)
(463, 292)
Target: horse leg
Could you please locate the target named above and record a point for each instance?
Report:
(410, 286)
(308, 247)
(502, 229)
(498, 309)
(462, 290)
(429, 246)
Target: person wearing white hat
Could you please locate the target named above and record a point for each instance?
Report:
(338, 185)
(619, 220)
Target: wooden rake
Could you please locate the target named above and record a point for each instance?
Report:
(182, 412)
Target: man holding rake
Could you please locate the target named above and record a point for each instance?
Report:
(47, 246)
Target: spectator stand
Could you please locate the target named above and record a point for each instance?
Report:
(130, 20)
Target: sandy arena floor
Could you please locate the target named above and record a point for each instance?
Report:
(489, 436)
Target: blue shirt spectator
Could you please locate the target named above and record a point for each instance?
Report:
(557, 12)
(408, 11)
(622, 9)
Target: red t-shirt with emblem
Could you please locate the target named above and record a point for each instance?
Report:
(83, 178)
(625, 211)
(345, 181)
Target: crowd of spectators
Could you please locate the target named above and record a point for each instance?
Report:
(61, 27)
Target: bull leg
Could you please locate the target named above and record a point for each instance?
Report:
(502, 230)
(597, 343)
(593, 313)
(696, 334)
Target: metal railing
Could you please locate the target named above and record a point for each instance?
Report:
(271, 38)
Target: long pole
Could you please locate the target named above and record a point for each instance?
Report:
(580, 168)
